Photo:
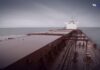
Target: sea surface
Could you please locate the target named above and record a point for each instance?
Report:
(92, 33)
(6, 33)
(21, 31)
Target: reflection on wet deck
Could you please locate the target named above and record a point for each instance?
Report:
(15, 49)
(73, 51)
(79, 55)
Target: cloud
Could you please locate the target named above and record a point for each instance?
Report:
(48, 13)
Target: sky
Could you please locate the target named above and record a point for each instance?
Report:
(49, 13)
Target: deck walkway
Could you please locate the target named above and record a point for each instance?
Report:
(78, 55)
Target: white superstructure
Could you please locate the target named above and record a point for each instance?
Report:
(71, 25)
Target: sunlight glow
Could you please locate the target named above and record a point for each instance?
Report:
(94, 5)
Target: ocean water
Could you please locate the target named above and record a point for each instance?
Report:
(6, 33)
(21, 31)
(93, 33)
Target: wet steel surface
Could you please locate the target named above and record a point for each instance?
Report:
(82, 54)
(73, 51)
(15, 49)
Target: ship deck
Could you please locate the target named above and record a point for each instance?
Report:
(53, 50)
(12, 50)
